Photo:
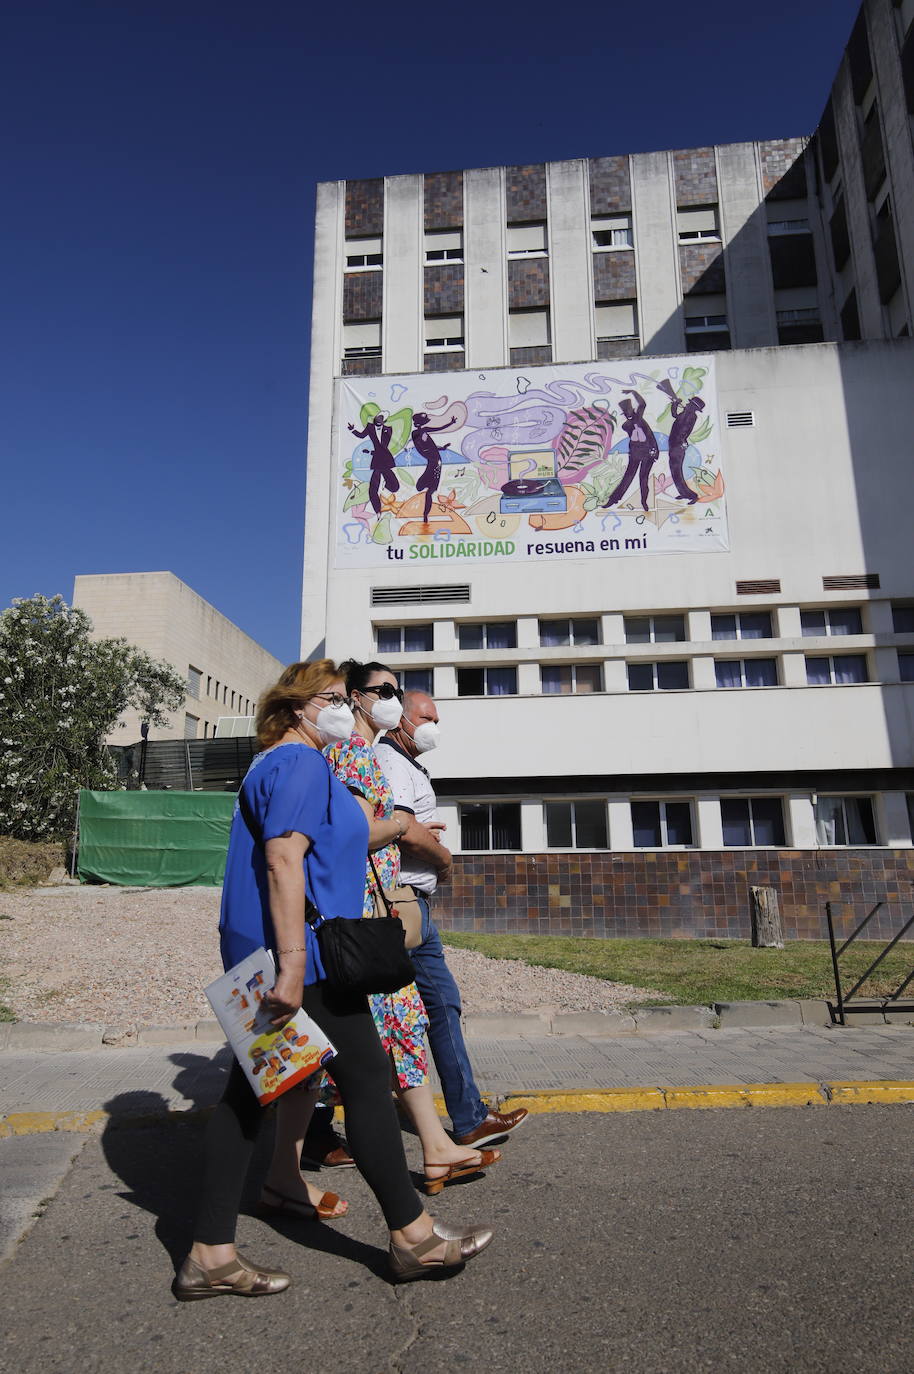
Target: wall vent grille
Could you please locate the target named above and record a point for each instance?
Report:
(765, 586)
(420, 596)
(740, 419)
(851, 582)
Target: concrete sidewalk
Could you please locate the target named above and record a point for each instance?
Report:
(44, 1090)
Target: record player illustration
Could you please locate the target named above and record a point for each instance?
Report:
(533, 485)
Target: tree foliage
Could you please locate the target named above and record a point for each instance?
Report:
(61, 693)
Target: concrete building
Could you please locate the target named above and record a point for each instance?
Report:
(226, 670)
(529, 535)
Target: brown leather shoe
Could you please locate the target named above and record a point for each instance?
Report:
(495, 1125)
(338, 1159)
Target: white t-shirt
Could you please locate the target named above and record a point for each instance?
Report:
(413, 791)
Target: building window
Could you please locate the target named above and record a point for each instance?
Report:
(576, 825)
(661, 824)
(748, 821)
(611, 231)
(444, 333)
(746, 672)
(742, 625)
(364, 255)
(658, 677)
(491, 634)
(561, 679)
(417, 680)
(836, 669)
(807, 314)
(845, 820)
(486, 682)
(616, 320)
(217, 689)
(555, 634)
(444, 245)
(404, 639)
(190, 726)
(903, 620)
(194, 677)
(788, 226)
(225, 696)
(906, 667)
(490, 825)
(362, 340)
(705, 323)
(654, 629)
(836, 620)
(209, 686)
(528, 329)
(527, 240)
(697, 222)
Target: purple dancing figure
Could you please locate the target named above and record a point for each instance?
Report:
(426, 448)
(382, 460)
(643, 450)
(684, 417)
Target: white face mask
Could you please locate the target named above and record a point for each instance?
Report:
(426, 736)
(387, 714)
(334, 723)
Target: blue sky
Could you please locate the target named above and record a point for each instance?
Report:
(158, 166)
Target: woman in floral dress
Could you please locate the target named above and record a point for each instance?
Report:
(400, 1017)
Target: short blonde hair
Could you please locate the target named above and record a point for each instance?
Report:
(278, 707)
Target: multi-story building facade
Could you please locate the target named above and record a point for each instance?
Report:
(226, 670)
(669, 664)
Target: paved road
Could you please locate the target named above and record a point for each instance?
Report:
(655, 1243)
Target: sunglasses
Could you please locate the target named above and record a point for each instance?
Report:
(385, 691)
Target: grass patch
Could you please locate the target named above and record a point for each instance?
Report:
(702, 971)
(23, 863)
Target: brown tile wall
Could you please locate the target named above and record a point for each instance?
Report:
(443, 292)
(696, 895)
(701, 266)
(362, 295)
(443, 200)
(361, 367)
(695, 171)
(617, 348)
(525, 192)
(783, 168)
(528, 357)
(445, 362)
(610, 186)
(614, 276)
(528, 282)
(365, 207)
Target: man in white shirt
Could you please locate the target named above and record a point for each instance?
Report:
(424, 863)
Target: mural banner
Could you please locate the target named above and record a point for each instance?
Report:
(586, 460)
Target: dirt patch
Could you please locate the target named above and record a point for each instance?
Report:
(28, 861)
(132, 957)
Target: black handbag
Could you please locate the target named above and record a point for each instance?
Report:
(362, 956)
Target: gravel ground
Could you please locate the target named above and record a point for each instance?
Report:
(132, 957)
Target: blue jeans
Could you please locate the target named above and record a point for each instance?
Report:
(445, 1036)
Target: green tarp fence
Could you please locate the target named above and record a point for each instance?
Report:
(154, 839)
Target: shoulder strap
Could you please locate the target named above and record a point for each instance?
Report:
(312, 915)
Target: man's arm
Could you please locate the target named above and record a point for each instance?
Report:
(418, 842)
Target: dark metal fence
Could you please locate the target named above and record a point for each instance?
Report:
(195, 765)
(850, 1001)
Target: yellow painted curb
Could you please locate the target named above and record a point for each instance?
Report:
(40, 1123)
(604, 1100)
(845, 1093)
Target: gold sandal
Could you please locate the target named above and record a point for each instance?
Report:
(463, 1244)
(462, 1169)
(239, 1276)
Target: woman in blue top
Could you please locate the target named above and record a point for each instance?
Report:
(297, 831)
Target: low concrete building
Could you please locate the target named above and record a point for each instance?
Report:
(226, 669)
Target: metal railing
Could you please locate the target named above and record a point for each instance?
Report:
(844, 1001)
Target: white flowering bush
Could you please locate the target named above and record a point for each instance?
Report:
(61, 693)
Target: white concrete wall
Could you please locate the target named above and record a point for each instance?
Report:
(161, 614)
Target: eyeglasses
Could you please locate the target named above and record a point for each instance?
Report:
(332, 698)
(385, 691)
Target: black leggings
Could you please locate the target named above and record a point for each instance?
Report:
(361, 1071)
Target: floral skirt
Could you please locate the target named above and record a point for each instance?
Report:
(402, 1022)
